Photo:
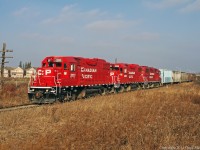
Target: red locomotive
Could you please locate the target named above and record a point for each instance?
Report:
(68, 78)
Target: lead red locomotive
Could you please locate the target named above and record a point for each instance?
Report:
(68, 78)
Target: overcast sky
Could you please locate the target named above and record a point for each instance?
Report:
(159, 33)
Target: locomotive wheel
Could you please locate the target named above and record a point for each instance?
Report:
(103, 91)
(112, 90)
(81, 94)
(74, 97)
(38, 95)
(121, 89)
(139, 87)
(128, 88)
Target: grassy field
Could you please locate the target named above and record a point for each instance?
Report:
(13, 92)
(162, 118)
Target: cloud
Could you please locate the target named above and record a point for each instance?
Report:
(195, 6)
(95, 13)
(21, 11)
(109, 25)
(163, 4)
(144, 36)
(25, 12)
(68, 8)
(65, 14)
(70, 13)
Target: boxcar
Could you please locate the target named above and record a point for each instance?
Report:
(176, 76)
(166, 76)
(192, 77)
(184, 77)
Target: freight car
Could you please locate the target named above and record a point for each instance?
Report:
(166, 76)
(172, 77)
(176, 75)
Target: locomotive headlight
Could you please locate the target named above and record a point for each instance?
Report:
(47, 90)
(31, 90)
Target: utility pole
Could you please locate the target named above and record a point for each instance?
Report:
(3, 57)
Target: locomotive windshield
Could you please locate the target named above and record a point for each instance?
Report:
(114, 68)
(52, 64)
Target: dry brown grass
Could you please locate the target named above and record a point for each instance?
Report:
(161, 118)
(14, 92)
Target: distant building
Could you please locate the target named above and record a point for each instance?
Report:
(17, 73)
(30, 72)
(6, 71)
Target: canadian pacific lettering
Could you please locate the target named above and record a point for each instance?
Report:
(88, 69)
(86, 76)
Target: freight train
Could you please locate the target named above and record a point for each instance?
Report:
(66, 78)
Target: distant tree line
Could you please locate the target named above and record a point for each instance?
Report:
(25, 65)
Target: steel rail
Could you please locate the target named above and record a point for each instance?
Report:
(11, 108)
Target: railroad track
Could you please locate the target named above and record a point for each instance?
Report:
(25, 106)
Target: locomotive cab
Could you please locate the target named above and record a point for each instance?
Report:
(144, 74)
(119, 74)
(45, 85)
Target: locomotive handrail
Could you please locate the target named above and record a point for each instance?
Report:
(58, 82)
(55, 84)
(30, 81)
(38, 78)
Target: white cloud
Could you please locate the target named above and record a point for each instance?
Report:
(68, 8)
(109, 25)
(70, 12)
(21, 11)
(163, 4)
(144, 36)
(26, 12)
(95, 13)
(195, 6)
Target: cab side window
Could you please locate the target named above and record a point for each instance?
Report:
(50, 64)
(72, 68)
(65, 66)
(58, 64)
(125, 70)
(121, 70)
